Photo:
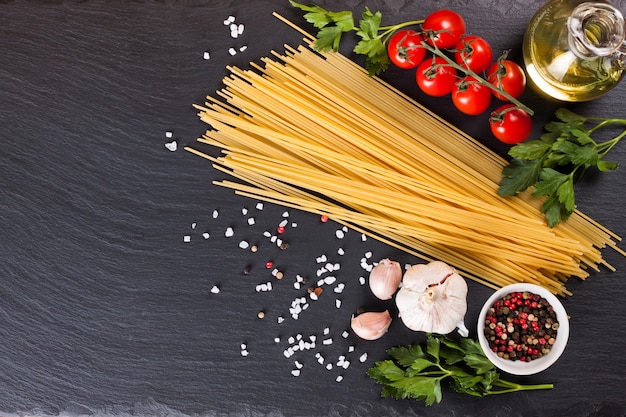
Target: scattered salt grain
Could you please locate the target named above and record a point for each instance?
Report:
(215, 214)
(206, 235)
(295, 372)
(368, 255)
(283, 223)
(339, 378)
(363, 237)
(329, 280)
(351, 349)
(338, 303)
(361, 280)
(193, 226)
(363, 357)
(277, 339)
(326, 330)
(244, 245)
(215, 289)
(232, 51)
(345, 334)
(229, 232)
(339, 288)
(244, 353)
(280, 319)
(171, 146)
(285, 214)
(240, 28)
(328, 341)
(267, 234)
(329, 366)
(298, 364)
(339, 234)
(187, 238)
(168, 134)
(206, 55)
(243, 48)
(251, 221)
(259, 206)
(229, 20)
(340, 251)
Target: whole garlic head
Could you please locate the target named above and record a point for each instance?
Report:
(433, 298)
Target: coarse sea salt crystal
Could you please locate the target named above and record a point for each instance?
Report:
(363, 237)
(340, 251)
(338, 303)
(171, 146)
(215, 214)
(251, 221)
(339, 234)
(339, 378)
(285, 214)
(329, 280)
(215, 289)
(361, 280)
(339, 288)
(232, 51)
(206, 55)
(363, 357)
(229, 232)
(368, 255)
(283, 223)
(186, 238)
(295, 372)
(240, 28)
(206, 235)
(259, 206)
(244, 353)
(244, 245)
(345, 334)
(169, 134)
(280, 319)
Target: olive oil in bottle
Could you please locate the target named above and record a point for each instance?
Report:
(575, 50)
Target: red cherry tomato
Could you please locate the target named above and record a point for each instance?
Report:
(435, 77)
(405, 50)
(508, 76)
(473, 52)
(470, 97)
(444, 28)
(510, 124)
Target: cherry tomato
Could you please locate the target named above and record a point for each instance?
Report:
(470, 97)
(435, 77)
(444, 28)
(405, 49)
(473, 52)
(510, 124)
(508, 76)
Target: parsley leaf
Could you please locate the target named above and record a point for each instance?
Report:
(418, 372)
(554, 163)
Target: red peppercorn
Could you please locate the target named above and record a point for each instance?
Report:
(323, 219)
(269, 264)
(280, 229)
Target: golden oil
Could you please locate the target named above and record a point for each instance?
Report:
(574, 50)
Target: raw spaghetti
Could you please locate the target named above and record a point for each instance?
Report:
(313, 131)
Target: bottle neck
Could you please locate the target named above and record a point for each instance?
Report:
(597, 30)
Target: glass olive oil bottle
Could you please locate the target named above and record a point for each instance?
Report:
(575, 50)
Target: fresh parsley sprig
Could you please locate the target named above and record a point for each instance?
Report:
(557, 160)
(417, 372)
(373, 36)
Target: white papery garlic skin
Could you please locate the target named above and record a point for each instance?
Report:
(385, 279)
(371, 325)
(433, 298)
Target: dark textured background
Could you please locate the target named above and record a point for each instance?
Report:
(105, 310)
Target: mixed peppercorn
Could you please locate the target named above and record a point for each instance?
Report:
(521, 326)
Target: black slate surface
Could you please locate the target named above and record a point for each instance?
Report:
(106, 309)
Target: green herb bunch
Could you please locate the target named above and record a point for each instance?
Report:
(557, 160)
(418, 372)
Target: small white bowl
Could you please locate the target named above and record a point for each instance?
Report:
(535, 365)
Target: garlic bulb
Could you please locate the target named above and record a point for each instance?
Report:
(371, 325)
(433, 299)
(385, 279)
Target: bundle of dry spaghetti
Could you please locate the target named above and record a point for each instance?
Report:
(314, 132)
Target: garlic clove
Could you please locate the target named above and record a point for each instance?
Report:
(371, 325)
(385, 279)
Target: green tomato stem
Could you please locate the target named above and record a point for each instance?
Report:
(468, 71)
